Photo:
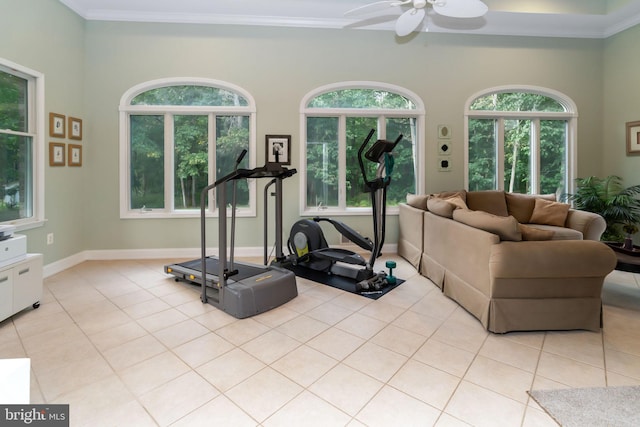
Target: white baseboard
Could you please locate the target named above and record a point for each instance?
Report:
(165, 253)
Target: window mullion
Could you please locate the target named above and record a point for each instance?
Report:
(500, 154)
(211, 170)
(535, 156)
(342, 162)
(169, 159)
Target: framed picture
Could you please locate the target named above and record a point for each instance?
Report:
(56, 125)
(278, 149)
(633, 138)
(444, 148)
(75, 128)
(75, 155)
(444, 132)
(56, 154)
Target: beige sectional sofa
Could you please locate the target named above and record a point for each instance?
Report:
(516, 262)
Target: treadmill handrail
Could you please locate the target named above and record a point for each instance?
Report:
(266, 171)
(259, 172)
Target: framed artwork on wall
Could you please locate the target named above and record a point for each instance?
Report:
(75, 155)
(56, 154)
(75, 128)
(57, 125)
(444, 132)
(633, 138)
(278, 149)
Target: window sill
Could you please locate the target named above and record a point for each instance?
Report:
(23, 225)
(391, 210)
(241, 213)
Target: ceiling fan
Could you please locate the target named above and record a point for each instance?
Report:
(412, 18)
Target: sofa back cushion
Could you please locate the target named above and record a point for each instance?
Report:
(449, 194)
(520, 206)
(549, 213)
(440, 207)
(417, 201)
(491, 201)
(506, 227)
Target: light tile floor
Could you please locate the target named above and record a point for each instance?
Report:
(125, 345)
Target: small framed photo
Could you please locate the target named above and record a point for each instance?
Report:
(444, 132)
(278, 149)
(75, 155)
(444, 148)
(75, 128)
(57, 125)
(56, 154)
(633, 138)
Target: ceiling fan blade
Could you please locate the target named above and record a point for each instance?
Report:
(371, 7)
(461, 8)
(409, 21)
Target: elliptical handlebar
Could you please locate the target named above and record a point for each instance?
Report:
(363, 170)
(240, 157)
(375, 154)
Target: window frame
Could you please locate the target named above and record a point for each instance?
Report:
(36, 130)
(570, 115)
(418, 113)
(126, 109)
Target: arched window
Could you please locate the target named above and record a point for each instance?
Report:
(520, 139)
(335, 122)
(176, 137)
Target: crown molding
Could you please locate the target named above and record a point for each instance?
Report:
(501, 23)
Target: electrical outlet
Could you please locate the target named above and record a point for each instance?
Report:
(50, 239)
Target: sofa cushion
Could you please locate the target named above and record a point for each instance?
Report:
(491, 201)
(448, 194)
(417, 201)
(445, 207)
(549, 213)
(440, 207)
(533, 233)
(506, 227)
(520, 206)
(559, 233)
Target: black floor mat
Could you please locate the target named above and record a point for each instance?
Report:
(340, 282)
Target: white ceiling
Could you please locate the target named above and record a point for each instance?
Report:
(555, 18)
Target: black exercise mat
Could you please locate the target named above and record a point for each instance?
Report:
(339, 282)
(212, 264)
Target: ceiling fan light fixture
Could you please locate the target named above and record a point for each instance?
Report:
(410, 20)
(461, 8)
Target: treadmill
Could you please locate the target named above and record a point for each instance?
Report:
(240, 289)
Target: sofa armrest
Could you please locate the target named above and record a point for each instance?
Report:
(410, 222)
(551, 259)
(590, 224)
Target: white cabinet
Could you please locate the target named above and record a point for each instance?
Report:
(20, 285)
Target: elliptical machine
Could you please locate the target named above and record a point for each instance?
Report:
(309, 249)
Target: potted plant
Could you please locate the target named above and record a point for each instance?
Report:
(630, 229)
(607, 197)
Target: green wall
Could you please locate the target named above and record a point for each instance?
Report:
(278, 66)
(47, 37)
(621, 103)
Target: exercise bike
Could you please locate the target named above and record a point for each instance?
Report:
(309, 249)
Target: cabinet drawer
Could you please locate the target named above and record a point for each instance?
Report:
(6, 294)
(27, 282)
(13, 249)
